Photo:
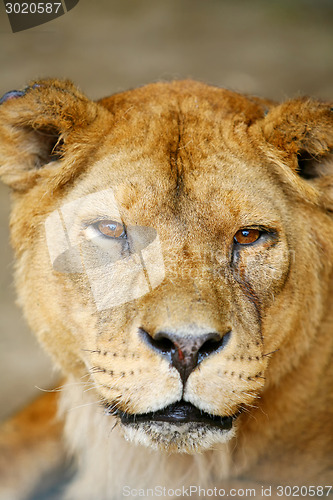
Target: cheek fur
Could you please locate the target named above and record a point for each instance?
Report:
(263, 270)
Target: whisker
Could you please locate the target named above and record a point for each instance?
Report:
(90, 388)
(46, 390)
(114, 426)
(86, 404)
(97, 369)
(269, 353)
(62, 387)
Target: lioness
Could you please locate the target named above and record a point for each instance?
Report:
(174, 256)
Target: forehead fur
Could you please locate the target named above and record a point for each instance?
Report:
(185, 96)
(178, 115)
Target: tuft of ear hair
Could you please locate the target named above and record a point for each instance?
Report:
(302, 129)
(299, 135)
(35, 123)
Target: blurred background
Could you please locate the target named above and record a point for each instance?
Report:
(275, 48)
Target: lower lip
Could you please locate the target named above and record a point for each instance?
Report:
(178, 414)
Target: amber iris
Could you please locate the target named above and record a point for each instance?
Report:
(247, 236)
(111, 229)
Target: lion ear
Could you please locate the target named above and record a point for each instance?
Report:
(302, 131)
(34, 126)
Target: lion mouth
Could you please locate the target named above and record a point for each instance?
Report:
(178, 413)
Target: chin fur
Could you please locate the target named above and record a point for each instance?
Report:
(106, 462)
(185, 438)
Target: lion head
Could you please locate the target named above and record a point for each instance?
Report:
(174, 248)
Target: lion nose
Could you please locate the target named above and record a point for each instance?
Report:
(185, 352)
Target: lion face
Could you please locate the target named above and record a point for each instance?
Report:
(170, 295)
(171, 257)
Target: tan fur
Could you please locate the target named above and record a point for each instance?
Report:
(29, 437)
(196, 164)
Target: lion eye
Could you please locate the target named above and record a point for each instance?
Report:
(247, 236)
(111, 229)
